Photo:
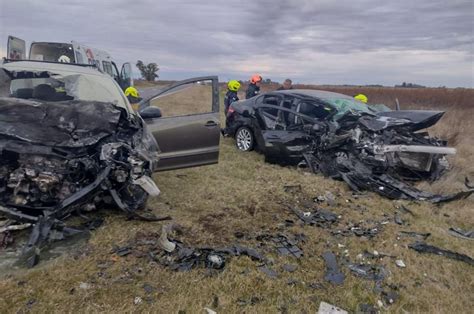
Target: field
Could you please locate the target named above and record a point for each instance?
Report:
(215, 205)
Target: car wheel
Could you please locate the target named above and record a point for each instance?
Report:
(244, 139)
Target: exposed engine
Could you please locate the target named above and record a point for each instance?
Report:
(50, 168)
(380, 154)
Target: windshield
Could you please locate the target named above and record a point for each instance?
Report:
(344, 105)
(53, 52)
(54, 87)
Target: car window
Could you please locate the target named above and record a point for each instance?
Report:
(273, 118)
(79, 57)
(271, 100)
(107, 67)
(313, 109)
(186, 99)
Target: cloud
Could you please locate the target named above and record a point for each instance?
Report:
(351, 42)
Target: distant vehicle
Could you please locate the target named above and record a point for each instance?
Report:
(73, 52)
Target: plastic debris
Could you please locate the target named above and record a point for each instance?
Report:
(326, 308)
(400, 263)
(333, 274)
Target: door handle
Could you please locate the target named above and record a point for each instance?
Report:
(210, 124)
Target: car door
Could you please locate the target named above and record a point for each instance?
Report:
(126, 79)
(188, 131)
(283, 142)
(16, 48)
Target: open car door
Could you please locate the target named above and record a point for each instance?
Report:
(188, 130)
(16, 48)
(126, 79)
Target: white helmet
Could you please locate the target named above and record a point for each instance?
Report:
(64, 59)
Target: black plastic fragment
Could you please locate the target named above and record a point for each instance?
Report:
(333, 274)
(422, 247)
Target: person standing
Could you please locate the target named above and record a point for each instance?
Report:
(254, 86)
(232, 88)
(287, 84)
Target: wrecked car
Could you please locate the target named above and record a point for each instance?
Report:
(70, 141)
(369, 147)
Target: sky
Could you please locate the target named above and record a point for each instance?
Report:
(428, 42)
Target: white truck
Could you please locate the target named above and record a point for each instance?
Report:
(73, 52)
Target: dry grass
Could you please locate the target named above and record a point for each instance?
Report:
(244, 194)
(195, 99)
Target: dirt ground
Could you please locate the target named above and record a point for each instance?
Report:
(242, 197)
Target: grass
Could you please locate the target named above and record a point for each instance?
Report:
(242, 193)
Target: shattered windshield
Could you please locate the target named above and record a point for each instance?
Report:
(344, 105)
(47, 86)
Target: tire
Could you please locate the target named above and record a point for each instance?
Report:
(244, 139)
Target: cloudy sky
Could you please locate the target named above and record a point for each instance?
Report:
(428, 42)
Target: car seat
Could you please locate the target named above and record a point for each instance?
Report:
(44, 92)
(23, 93)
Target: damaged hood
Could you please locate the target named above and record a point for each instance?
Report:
(61, 124)
(413, 120)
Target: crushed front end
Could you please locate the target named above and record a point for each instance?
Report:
(382, 154)
(57, 158)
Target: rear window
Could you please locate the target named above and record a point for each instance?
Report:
(53, 52)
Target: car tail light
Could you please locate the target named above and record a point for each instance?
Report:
(230, 111)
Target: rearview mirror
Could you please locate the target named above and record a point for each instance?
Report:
(150, 113)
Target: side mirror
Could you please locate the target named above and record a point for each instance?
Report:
(150, 113)
(246, 114)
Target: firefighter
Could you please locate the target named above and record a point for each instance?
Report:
(232, 88)
(362, 98)
(254, 86)
(133, 97)
(287, 84)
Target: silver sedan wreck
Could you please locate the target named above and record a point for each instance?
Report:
(70, 141)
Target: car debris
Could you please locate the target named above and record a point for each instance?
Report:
(400, 263)
(283, 245)
(369, 147)
(371, 272)
(182, 257)
(374, 272)
(326, 308)
(333, 274)
(460, 233)
(360, 229)
(321, 217)
(422, 247)
(421, 236)
(268, 271)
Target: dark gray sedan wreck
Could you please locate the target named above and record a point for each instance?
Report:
(369, 147)
(71, 142)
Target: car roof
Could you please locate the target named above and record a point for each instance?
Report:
(314, 93)
(54, 67)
